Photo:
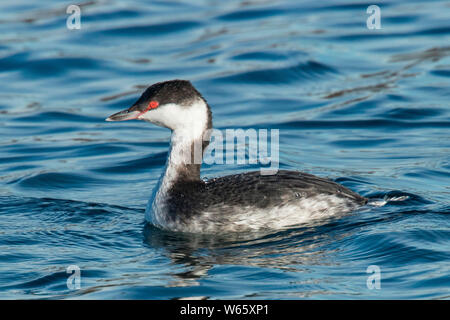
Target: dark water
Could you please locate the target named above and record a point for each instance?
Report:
(368, 108)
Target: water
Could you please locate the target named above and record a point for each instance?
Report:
(367, 108)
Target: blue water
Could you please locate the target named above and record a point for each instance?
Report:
(367, 108)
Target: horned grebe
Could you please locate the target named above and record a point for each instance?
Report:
(182, 201)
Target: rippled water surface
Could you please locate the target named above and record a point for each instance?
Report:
(367, 108)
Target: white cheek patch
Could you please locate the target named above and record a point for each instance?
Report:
(191, 120)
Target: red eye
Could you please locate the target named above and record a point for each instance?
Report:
(152, 105)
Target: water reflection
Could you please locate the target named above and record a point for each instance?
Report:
(293, 250)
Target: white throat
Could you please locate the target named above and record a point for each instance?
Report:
(189, 126)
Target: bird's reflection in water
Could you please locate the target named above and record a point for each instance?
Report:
(294, 249)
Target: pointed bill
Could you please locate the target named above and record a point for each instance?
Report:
(124, 115)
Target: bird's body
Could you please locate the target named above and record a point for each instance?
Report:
(182, 201)
(249, 201)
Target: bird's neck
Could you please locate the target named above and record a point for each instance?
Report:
(187, 146)
(185, 158)
(180, 169)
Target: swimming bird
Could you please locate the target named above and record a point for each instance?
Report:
(182, 201)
